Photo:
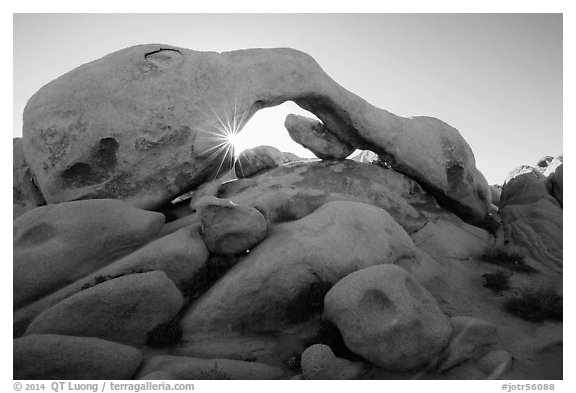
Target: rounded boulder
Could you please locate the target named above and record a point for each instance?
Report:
(228, 228)
(122, 309)
(314, 136)
(257, 159)
(55, 245)
(319, 362)
(51, 356)
(388, 318)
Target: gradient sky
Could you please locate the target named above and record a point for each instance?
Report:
(497, 78)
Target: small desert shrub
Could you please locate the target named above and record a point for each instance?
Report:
(509, 260)
(535, 304)
(211, 271)
(97, 280)
(295, 362)
(498, 281)
(213, 374)
(383, 163)
(386, 161)
(164, 335)
(308, 302)
(103, 278)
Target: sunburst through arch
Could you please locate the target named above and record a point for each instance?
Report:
(224, 133)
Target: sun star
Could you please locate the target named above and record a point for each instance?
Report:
(233, 140)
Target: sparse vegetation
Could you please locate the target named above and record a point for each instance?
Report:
(103, 278)
(508, 260)
(498, 281)
(164, 335)
(295, 362)
(308, 302)
(535, 304)
(213, 374)
(382, 162)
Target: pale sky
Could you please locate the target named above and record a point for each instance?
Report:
(497, 78)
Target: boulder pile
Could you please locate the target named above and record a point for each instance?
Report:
(144, 249)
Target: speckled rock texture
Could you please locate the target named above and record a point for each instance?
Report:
(148, 122)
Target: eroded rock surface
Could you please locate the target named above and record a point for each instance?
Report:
(181, 255)
(25, 193)
(314, 136)
(153, 126)
(543, 163)
(123, 309)
(181, 367)
(55, 245)
(258, 263)
(257, 159)
(388, 318)
(295, 190)
(556, 184)
(319, 362)
(532, 217)
(451, 239)
(50, 356)
(496, 364)
(228, 228)
(469, 336)
(267, 291)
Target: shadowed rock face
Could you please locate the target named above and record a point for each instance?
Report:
(532, 217)
(556, 184)
(26, 195)
(266, 293)
(180, 255)
(53, 356)
(142, 125)
(123, 309)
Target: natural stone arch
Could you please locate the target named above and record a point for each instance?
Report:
(163, 106)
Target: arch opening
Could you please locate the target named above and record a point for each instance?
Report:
(266, 128)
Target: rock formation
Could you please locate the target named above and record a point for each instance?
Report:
(266, 293)
(143, 249)
(389, 319)
(156, 125)
(532, 216)
(228, 228)
(179, 367)
(314, 136)
(258, 159)
(468, 336)
(135, 304)
(57, 244)
(319, 362)
(26, 195)
(47, 356)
